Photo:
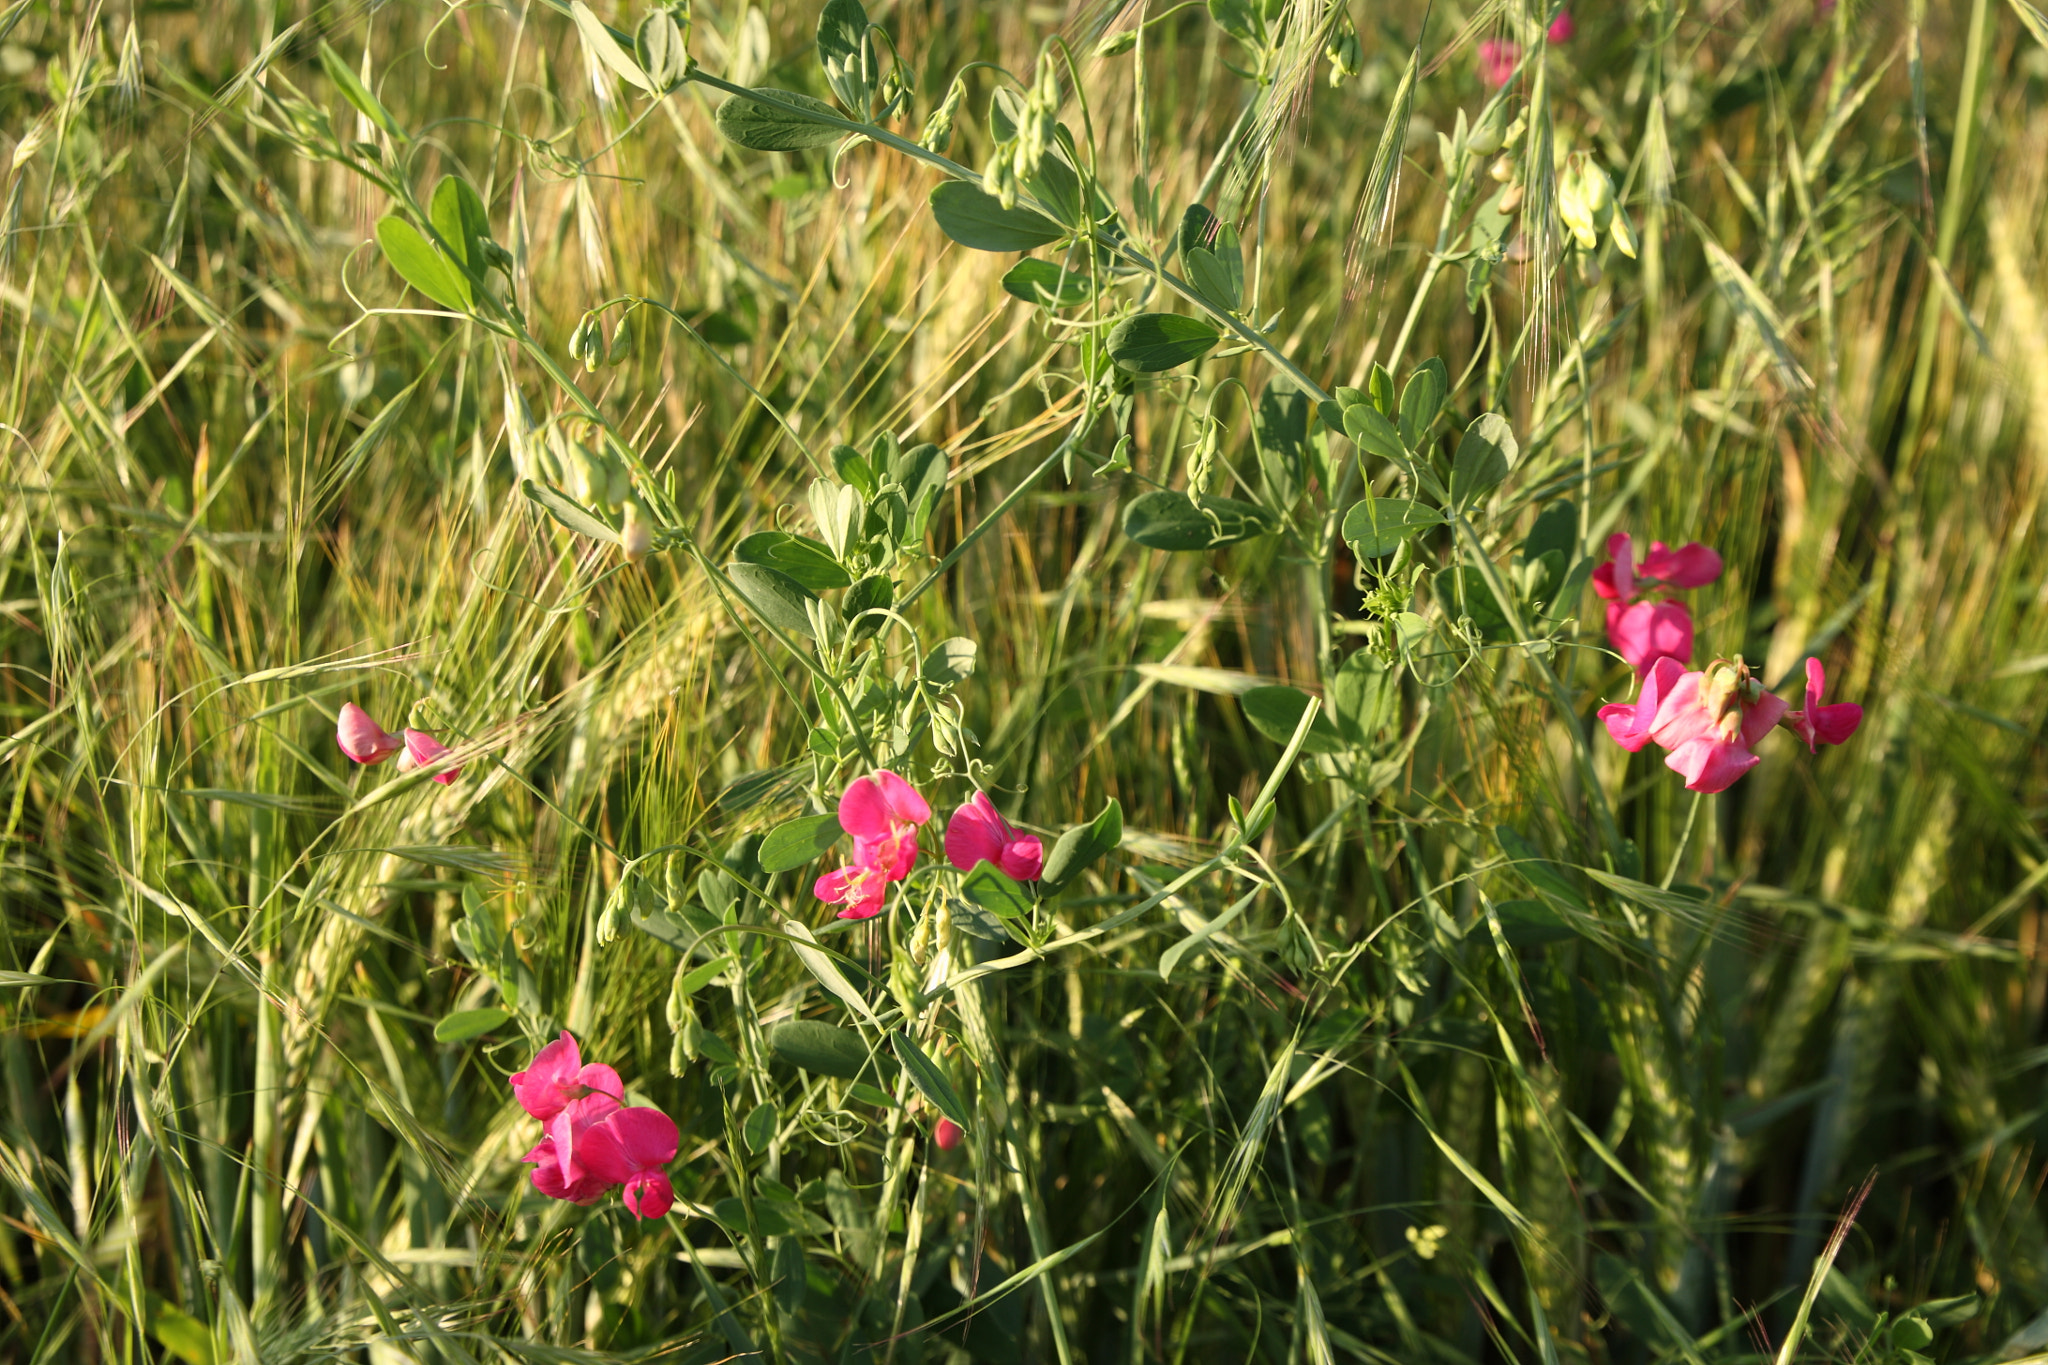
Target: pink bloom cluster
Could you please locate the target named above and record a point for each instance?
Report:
(365, 741)
(1643, 631)
(883, 813)
(1709, 721)
(593, 1143)
(1498, 56)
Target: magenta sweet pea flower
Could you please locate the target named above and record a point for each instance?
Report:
(1819, 724)
(1497, 59)
(363, 739)
(559, 1160)
(1629, 722)
(947, 1134)
(882, 814)
(422, 750)
(629, 1149)
(858, 886)
(557, 1078)
(1643, 631)
(978, 834)
(1710, 721)
(1562, 28)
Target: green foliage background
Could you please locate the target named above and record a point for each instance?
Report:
(1441, 1093)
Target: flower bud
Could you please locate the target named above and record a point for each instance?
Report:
(637, 535)
(1503, 169)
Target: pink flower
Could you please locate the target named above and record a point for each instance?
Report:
(1709, 721)
(423, 750)
(947, 1134)
(557, 1078)
(977, 834)
(1819, 724)
(1629, 722)
(630, 1148)
(1562, 28)
(559, 1168)
(1644, 631)
(363, 739)
(1497, 60)
(882, 814)
(858, 886)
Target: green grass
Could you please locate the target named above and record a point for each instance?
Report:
(1513, 1050)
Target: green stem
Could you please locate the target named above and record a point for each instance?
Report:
(1684, 841)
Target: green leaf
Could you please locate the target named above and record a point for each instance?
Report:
(1556, 528)
(659, 49)
(598, 39)
(457, 213)
(1275, 711)
(759, 1129)
(991, 889)
(776, 598)
(796, 842)
(1379, 526)
(1152, 342)
(1422, 400)
(1530, 924)
(420, 266)
(847, 53)
(951, 661)
(1365, 697)
(355, 92)
(978, 220)
(682, 926)
(1165, 519)
(1373, 433)
(876, 592)
(1172, 957)
(808, 561)
(1082, 845)
(930, 1081)
(183, 1335)
(568, 511)
(784, 126)
(1210, 280)
(467, 1024)
(1045, 284)
(1484, 457)
(1215, 265)
(818, 1047)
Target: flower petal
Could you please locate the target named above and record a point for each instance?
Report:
(1834, 724)
(1680, 718)
(904, 802)
(863, 810)
(1761, 718)
(649, 1195)
(1710, 765)
(975, 834)
(423, 749)
(1648, 631)
(1023, 859)
(1689, 566)
(363, 739)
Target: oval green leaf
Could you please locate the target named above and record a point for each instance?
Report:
(1373, 433)
(567, 511)
(978, 220)
(776, 598)
(818, 1047)
(783, 126)
(1168, 520)
(1275, 711)
(461, 1027)
(1152, 342)
(796, 842)
(1378, 526)
(1045, 284)
(420, 266)
(951, 661)
(808, 561)
(1082, 845)
(1484, 457)
(930, 1081)
(988, 887)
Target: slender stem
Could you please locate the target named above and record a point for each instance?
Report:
(1684, 840)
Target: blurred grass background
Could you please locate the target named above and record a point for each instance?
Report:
(229, 1132)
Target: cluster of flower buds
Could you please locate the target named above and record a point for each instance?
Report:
(587, 343)
(594, 1142)
(1708, 721)
(1585, 203)
(1343, 51)
(368, 743)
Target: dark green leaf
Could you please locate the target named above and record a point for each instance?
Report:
(989, 888)
(1045, 284)
(566, 510)
(422, 267)
(951, 661)
(458, 215)
(796, 842)
(1365, 697)
(1378, 526)
(1421, 400)
(930, 1081)
(821, 1048)
(876, 591)
(1198, 228)
(807, 561)
(1168, 520)
(1152, 342)
(1373, 433)
(782, 126)
(776, 598)
(467, 1024)
(759, 1129)
(1556, 528)
(1082, 845)
(1210, 280)
(684, 927)
(1484, 457)
(658, 47)
(978, 220)
(1275, 712)
(1529, 924)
